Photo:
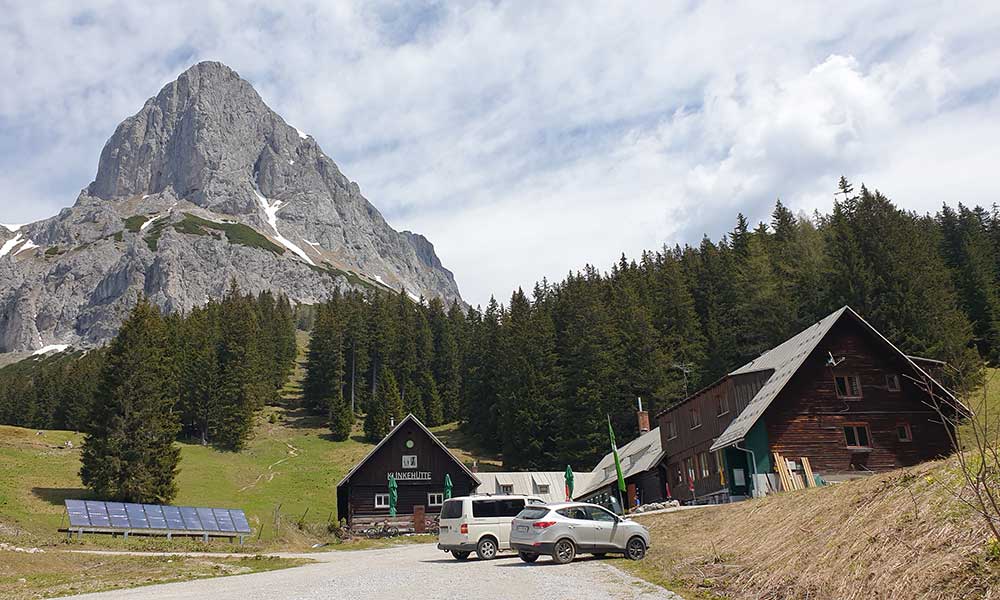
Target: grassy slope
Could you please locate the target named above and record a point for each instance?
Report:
(898, 535)
(291, 462)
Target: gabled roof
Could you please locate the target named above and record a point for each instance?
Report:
(405, 420)
(784, 361)
(641, 454)
(529, 482)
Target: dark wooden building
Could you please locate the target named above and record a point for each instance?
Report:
(838, 393)
(417, 460)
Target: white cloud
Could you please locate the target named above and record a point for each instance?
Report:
(527, 139)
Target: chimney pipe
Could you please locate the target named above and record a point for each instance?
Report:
(643, 417)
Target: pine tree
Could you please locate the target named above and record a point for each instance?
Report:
(385, 407)
(130, 455)
(341, 419)
(242, 387)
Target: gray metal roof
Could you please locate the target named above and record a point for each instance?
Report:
(784, 360)
(641, 454)
(528, 483)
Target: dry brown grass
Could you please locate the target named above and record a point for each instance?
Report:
(897, 535)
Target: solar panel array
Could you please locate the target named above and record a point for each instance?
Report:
(88, 514)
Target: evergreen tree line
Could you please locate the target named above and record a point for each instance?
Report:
(221, 363)
(535, 379)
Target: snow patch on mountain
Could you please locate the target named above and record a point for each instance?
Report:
(10, 244)
(271, 211)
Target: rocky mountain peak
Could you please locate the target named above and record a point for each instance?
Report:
(204, 184)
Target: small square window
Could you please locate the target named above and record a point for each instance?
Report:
(506, 488)
(695, 418)
(904, 433)
(381, 500)
(722, 405)
(706, 468)
(857, 436)
(892, 382)
(848, 386)
(409, 461)
(435, 499)
(671, 430)
(543, 488)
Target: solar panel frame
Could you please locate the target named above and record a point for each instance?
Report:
(114, 517)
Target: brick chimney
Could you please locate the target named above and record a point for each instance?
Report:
(643, 417)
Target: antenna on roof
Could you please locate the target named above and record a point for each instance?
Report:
(833, 361)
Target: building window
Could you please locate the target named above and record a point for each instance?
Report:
(409, 461)
(857, 436)
(695, 418)
(723, 405)
(506, 488)
(435, 499)
(706, 468)
(671, 430)
(543, 488)
(848, 386)
(904, 433)
(892, 382)
(689, 464)
(381, 500)
(680, 474)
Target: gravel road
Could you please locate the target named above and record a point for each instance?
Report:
(411, 572)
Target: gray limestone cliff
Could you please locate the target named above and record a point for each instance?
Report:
(203, 185)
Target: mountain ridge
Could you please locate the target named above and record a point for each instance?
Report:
(204, 184)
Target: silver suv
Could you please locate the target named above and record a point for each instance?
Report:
(566, 529)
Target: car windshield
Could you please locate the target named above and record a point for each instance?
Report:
(452, 509)
(533, 513)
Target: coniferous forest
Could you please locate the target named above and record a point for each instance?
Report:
(535, 377)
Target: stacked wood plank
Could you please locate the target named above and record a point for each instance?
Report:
(790, 480)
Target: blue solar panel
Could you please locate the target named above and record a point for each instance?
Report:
(119, 518)
(136, 516)
(208, 519)
(173, 516)
(191, 520)
(154, 516)
(98, 512)
(77, 510)
(240, 521)
(223, 519)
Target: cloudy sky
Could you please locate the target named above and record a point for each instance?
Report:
(526, 139)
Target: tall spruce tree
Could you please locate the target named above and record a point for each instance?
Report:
(129, 454)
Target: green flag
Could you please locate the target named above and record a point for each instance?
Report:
(447, 486)
(569, 483)
(614, 451)
(393, 495)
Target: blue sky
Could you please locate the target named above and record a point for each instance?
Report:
(526, 139)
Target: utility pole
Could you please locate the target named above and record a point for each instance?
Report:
(684, 368)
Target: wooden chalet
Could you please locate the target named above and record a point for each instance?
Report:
(418, 461)
(838, 393)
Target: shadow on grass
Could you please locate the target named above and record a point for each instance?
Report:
(56, 496)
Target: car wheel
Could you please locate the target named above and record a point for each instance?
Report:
(486, 549)
(636, 549)
(564, 552)
(600, 554)
(460, 555)
(528, 557)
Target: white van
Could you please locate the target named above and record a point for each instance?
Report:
(479, 524)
